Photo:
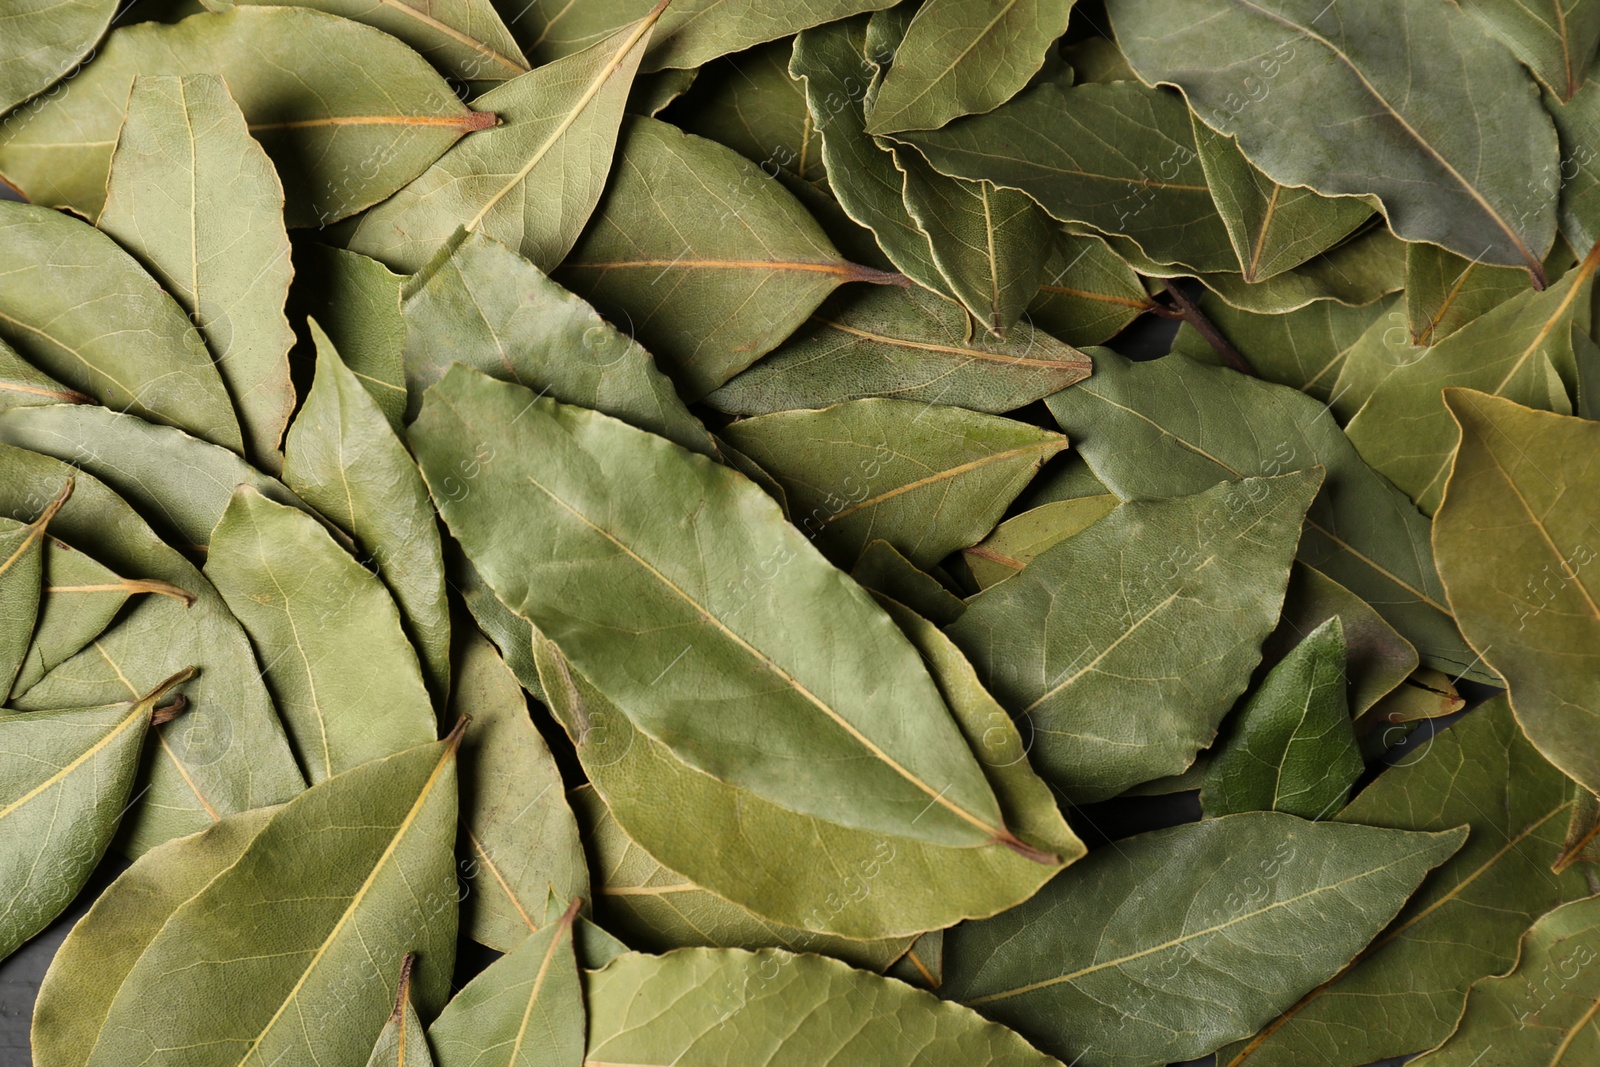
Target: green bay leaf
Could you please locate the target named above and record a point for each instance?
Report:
(402, 1042)
(45, 41)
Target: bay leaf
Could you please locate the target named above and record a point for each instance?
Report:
(883, 570)
(179, 483)
(1291, 747)
(909, 344)
(343, 459)
(1095, 965)
(84, 311)
(1119, 158)
(1303, 349)
(345, 679)
(691, 34)
(522, 839)
(651, 93)
(1272, 228)
(490, 308)
(1426, 694)
(1542, 1011)
(44, 42)
(872, 885)
(962, 58)
(1365, 102)
(1520, 350)
(463, 38)
(1111, 699)
(81, 596)
(1556, 41)
(923, 963)
(68, 776)
(1514, 539)
(22, 384)
(348, 113)
(313, 919)
(22, 547)
(1577, 170)
(197, 201)
(709, 1007)
(1154, 429)
(1018, 541)
(1445, 292)
(228, 753)
(701, 257)
(927, 479)
(594, 562)
(660, 910)
(1087, 293)
(402, 1042)
(754, 106)
(532, 181)
(524, 1010)
(102, 947)
(1377, 658)
(356, 301)
(512, 634)
(1463, 923)
(833, 63)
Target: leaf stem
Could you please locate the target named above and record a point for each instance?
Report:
(1190, 313)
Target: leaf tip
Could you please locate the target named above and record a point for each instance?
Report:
(403, 991)
(1026, 851)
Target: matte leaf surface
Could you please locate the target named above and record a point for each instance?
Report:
(1159, 429)
(1080, 643)
(1409, 102)
(22, 548)
(755, 107)
(531, 181)
(1017, 541)
(701, 257)
(326, 97)
(343, 459)
(1515, 543)
(1087, 294)
(1464, 921)
(927, 479)
(709, 1007)
(356, 301)
(44, 40)
(403, 1042)
(313, 919)
(1101, 964)
(1445, 292)
(344, 677)
(907, 344)
(85, 312)
(1556, 40)
(1291, 747)
(195, 198)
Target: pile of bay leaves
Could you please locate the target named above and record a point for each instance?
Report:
(582, 532)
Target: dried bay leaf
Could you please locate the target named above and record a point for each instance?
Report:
(463, 38)
(1017, 541)
(710, 1007)
(1291, 747)
(923, 963)
(909, 344)
(695, 252)
(872, 885)
(1445, 292)
(356, 301)
(197, 201)
(1087, 293)
(1464, 921)
(345, 679)
(45, 40)
(94, 960)
(1097, 965)
(229, 752)
(22, 384)
(712, 643)
(1556, 41)
(22, 548)
(754, 106)
(511, 633)
(883, 570)
(1520, 350)
(348, 113)
(927, 479)
(659, 910)
(68, 776)
(531, 181)
(1120, 158)
(1156, 429)
(1514, 540)
(313, 919)
(1112, 699)
(87, 314)
(403, 1042)
(490, 308)
(524, 1010)
(961, 58)
(343, 459)
(1365, 102)
(522, 839)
